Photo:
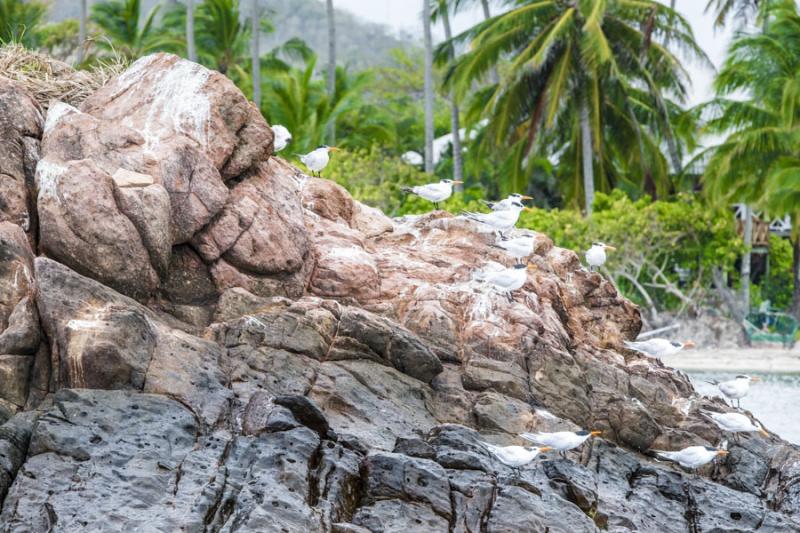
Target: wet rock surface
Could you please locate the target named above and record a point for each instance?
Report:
(198, 337)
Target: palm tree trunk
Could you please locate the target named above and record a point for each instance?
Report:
(746, 258)
(190, 48)
(588, 169)
(426, 24)
(256, 56)
(455, 125)
(82, 31)
(331, 68)
(495, 77)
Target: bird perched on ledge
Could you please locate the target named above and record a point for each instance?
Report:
(501, 221)
(658, 347)
(692, 457)
(561, 440)
(282, 137)
(736, 388)
(506, 202)
(433, 192)
(318, 159)
(515, 456)
(734, 423)
(519, 247)
(596, 255)
(506, 280)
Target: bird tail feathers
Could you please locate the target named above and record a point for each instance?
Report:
(532, 437)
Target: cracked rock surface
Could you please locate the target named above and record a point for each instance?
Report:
(195, 336)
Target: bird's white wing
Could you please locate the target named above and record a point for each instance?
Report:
(536, 438)
(651, 347)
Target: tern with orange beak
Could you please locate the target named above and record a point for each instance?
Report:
(506, 280)
(692, 457)
(434, 192)
(506, 202)
(596, 255)
(562, 441)
(515, 456)
(318, 159)
(520, 248)
(736, 388)
(500, 221)
(735, 423)
(658, 347)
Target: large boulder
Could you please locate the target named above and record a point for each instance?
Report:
(21, 122)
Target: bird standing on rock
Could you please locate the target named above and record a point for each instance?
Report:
(501, 221)
(736, 388)
(506, 202)
(658, 347)
(506, 280)
(692, 457)
(318, 159)
(562, 441)
(282, 137)
(433, 192)
(596, 255)
(519, 247)
(515, 456)
(734, 423)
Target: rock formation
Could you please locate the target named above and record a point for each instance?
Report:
(196, 336)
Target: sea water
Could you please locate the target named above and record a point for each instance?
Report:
(774, 401)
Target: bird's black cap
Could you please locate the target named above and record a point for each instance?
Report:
(742, 376)
(710, 449)
(582, 433)
(675, 344)
(521, 266)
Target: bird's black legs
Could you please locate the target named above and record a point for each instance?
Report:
(563, 454)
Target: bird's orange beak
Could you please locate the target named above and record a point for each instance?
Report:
(755, 378)
(523, 197)
(545, 449)
(764, 432)
(609, 247)
(689, 344)
(723, 452)
(528, 209)
(458, 181)
(595, 433)
(334, 149)
(531, 266)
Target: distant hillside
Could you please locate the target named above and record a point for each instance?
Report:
(360, 43)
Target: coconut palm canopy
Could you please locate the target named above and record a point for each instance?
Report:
(599, 71)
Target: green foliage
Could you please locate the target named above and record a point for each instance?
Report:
(777, 284)
(376, 178)
(126, 33)
(683, 233)
(19, 20)
(566, 55)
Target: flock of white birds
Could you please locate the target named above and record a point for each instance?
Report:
(503, 218)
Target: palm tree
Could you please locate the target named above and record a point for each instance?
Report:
(575, 86)
(742, 10)
(331, 65)
(191, 49)
(255, 55)
(426, 24)
(757, 163)
(82, 30)
(455, 124)
(19, 19)
(222, 39)
(125, 32)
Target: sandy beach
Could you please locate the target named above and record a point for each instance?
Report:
(766, 360)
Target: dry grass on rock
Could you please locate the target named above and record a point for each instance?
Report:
(50, 79)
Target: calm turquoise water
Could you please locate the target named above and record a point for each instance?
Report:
(775, 401)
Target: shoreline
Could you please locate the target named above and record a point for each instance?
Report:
(740, 360)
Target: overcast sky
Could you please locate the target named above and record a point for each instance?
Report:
(404, 15)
